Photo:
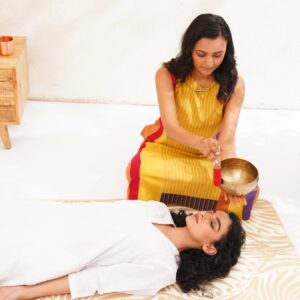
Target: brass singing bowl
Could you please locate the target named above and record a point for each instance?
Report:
(239, 176)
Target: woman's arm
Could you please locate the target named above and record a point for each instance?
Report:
(134, 278)
(59, 286)
(228, 130)
(167, 107)
(230, 121)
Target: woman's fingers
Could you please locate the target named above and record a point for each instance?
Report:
(213, 146)
(211, 149)
(226, 197)
(211, 157)
(235, 200)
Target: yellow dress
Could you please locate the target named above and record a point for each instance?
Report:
(170, 172)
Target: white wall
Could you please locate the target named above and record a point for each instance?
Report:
(108, 50)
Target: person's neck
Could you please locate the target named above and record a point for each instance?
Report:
(177, 235)
(202, 80)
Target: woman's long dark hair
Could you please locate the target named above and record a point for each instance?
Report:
(196, 268)
(207, 26)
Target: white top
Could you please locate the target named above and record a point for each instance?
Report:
(104, 247)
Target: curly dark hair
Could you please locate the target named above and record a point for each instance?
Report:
(207, 26)
(196, 268)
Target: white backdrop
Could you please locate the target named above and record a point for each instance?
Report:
(108, 50)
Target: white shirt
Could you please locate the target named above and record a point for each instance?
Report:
(103, 247)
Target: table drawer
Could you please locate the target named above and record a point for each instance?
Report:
(6, 88)
(7, 100)
(8, 113)
(6, 91)
(6, 74)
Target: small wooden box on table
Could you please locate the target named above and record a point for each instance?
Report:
(14, 87)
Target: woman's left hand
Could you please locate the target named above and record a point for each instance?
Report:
(235, 200)
(11, 292)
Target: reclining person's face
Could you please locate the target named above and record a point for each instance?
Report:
(206, 228)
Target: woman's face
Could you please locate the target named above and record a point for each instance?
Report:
(208, 55)
(207, 227)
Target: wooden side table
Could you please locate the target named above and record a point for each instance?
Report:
(14, 87)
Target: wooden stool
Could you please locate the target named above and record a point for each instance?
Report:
(14, 88)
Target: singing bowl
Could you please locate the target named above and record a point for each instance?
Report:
(239, 176)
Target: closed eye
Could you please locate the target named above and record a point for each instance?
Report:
(216, 225)
(213, 225)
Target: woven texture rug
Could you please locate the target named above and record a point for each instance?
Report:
(267, 269)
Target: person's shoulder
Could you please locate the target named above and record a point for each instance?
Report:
(164, 77)
(159, 213)
(239, 86)
(157, 205)
(163, 73)
(238, 92)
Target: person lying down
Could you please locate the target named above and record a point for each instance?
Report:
(134, 247)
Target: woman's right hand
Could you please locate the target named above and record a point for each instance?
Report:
(11, 292)
(235, 200)
(210, 148)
